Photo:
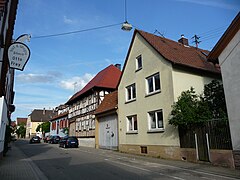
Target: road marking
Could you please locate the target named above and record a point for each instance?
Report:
(189, 170)
(143, 169)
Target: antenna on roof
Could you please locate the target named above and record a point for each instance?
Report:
(196, 40)
(157, 32)
(74, 86)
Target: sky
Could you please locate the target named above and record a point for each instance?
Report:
(61, 65)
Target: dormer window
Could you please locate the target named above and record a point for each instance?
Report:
(139, 62)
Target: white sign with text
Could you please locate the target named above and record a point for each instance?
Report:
(18, 55)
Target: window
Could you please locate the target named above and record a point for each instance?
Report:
(155, 120)
(153, 83)
(139, 62)
(132, 123)
(131, 92)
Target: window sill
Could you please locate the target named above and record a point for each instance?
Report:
(155, 131)
(138, 69)
(153, 93)
(132, 132)
(129, 101)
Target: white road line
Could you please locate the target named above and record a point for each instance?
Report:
(189, 170)
(143, 169)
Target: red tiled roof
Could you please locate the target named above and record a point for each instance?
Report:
(107, 78)
(109, 103)
(13, 123)
(21, 120)
(177, 53)
(59, 116)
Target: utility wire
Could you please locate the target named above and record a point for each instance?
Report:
(213, 30)
(74, 32)
(212, 36)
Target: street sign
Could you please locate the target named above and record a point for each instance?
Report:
(18, 55)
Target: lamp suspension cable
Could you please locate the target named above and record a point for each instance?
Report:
(125, 9)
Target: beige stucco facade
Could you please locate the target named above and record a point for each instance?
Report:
(183, 80)
(161, 143)
(152, 63)
(31, 128)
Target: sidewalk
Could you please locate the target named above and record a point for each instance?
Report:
(16, 166)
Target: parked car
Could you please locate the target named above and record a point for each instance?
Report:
(69, 141)
(54, 139)
(46, 139)
(35, 139)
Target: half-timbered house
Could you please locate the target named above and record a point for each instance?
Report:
(59, 124)
(83, 104)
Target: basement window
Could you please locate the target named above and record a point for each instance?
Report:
(143, 149)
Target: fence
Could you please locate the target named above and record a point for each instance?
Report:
(218, 134)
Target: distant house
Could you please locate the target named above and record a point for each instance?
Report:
(37, 117)
(155, 72)
(21, 121)
(106, 135)
(59, 123)
(226, 53)
(83, 104)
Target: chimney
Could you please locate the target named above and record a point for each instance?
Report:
(118, 66)
(183, 40)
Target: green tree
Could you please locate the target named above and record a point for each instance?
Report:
(44, 127)
(190, 110)
(214, 97)
(21, 131)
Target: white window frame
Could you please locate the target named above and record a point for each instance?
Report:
(132, 98)
(130, 123)
(138, 67)
(151, 122)
(153, 77)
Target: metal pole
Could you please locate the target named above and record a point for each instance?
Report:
(208, 147)
(196, 143)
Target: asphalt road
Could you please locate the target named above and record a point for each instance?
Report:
(56, 163)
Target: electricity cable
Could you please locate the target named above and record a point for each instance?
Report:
(74, 32)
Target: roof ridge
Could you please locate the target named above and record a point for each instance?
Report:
(172, 40)
(179, 54)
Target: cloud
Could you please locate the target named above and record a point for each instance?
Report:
(212, 3)
(37, 78)
(67, 20)
(76, 83)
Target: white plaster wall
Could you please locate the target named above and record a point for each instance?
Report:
(183, 81)
(152, 63)
(229, 61)
(3, 121)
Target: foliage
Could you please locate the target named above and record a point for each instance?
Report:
(214, 97)
(44, 127)
(65, 130)
(192, 110)
(21, 131)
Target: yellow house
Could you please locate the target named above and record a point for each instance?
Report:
(155, 72)
(37, 117)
